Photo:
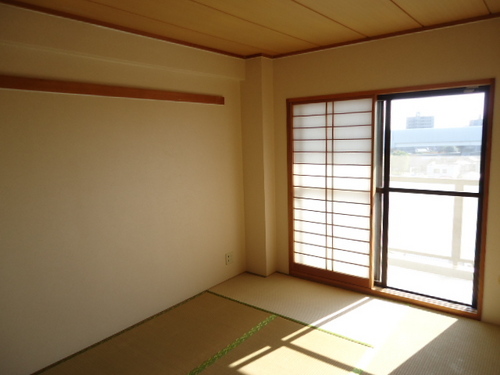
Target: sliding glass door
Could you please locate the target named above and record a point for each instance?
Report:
(387, 191)
(431, 190)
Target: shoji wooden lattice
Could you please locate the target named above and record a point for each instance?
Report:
(331, 174)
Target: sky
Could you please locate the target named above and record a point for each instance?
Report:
(449, 111)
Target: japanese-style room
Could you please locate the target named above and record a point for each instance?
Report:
(249, 187)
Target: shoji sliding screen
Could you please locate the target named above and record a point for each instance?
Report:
(330, 161)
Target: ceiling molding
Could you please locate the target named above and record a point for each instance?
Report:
(392, 35)
(108, 25)
(228, 46)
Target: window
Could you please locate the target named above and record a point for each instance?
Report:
(388, 190)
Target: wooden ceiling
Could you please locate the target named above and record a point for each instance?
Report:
(274, 28)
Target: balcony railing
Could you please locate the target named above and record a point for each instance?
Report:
(432, 238)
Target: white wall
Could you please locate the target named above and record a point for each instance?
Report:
(454, 54)
(111, 210)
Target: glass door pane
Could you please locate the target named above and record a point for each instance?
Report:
(436, 142)
(433, 192)
(431, 245)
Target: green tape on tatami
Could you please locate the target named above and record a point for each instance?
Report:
(294, 320)
(233, 345)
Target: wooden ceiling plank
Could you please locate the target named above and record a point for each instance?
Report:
(200, 18)
(243, 28)
(493, 5)
(125, 21)
(92, 12)
(287, 17)
(368, 17)
(432, 12)
(176, 33)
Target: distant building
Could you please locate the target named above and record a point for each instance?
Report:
(419, 122)
(466, 140)
(478, 122)
(437, 153)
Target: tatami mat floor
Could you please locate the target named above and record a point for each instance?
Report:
(403, 339)
(252, 325)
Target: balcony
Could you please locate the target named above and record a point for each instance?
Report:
(432, 238)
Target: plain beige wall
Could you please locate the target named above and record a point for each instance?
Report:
(453, 54)
(111, 210)
(257, 117)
